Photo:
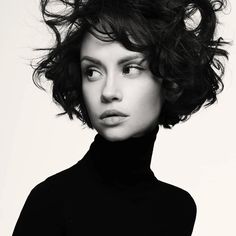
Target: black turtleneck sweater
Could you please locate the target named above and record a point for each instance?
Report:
(110, 191)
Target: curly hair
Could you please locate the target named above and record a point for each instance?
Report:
(185, 57)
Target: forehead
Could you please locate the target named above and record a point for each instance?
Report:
(95, 47)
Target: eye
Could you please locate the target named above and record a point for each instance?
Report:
(92, 73)
(132, 70)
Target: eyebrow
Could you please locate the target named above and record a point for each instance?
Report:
(120, 62)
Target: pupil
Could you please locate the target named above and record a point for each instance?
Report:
(90, 73)
(126, 70)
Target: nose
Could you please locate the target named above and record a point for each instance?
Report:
(111, 91)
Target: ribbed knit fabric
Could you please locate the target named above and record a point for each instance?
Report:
(125, 162)
(110, 191)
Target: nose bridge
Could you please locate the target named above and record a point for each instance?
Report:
(110, 82)
(111, 89)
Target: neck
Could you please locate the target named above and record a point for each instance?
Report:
(123, 161)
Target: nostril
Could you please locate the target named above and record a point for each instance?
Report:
(111, 97)
(111, 91)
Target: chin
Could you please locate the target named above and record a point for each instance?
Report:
(115, 135)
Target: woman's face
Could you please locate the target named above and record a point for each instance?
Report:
(122, 98)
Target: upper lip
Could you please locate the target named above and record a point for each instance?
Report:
(112, 112)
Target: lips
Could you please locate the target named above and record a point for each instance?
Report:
(110, 113)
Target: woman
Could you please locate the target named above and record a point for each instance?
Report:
(124, 68)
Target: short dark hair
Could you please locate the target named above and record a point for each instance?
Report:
(185, 58)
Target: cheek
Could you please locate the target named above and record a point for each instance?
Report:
(88, 100)
(155, 99)
(151, 108)
(148, 99)
(90, 96)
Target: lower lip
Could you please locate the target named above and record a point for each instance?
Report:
(113, 120)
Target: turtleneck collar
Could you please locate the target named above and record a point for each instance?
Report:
(123, 162)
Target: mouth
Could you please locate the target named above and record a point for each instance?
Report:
(113, 117)
(112, 113)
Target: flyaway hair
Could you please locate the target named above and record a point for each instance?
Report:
(182, 50)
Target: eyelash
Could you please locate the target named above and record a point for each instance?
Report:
(90, 69)
(131, 66)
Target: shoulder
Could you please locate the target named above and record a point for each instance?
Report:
(176, 194)
(61, 182)
(176, 198)
(43, 211)
(177, 207)
(173, 192)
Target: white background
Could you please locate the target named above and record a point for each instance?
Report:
(198, 155)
